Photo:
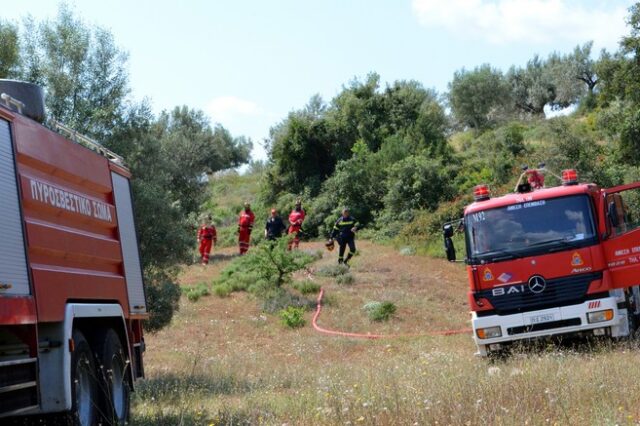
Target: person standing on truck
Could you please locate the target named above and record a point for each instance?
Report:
(296, 217)
(245, 226)
(274, 227)
(344, 230)
(207, 236)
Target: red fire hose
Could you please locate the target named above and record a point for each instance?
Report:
(374, 336)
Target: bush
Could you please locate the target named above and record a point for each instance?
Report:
(163, 297)
(306, 287)
(379, 311)
(345, 279)
(263, 270)
(416, 182)
(196, 292)
(292, 317)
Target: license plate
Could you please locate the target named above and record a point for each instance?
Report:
(537, 319)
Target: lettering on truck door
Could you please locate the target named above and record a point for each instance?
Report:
(622, 247)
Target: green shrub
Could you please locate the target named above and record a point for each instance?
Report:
(379, 311)
(292, 317)
(222, 290)
(196, 292)
(345, 279)
(268, 265)
(306, 287)
(163, 297)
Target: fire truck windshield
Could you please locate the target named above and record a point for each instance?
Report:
(529, 228)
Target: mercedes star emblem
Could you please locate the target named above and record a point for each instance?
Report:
(537, 284)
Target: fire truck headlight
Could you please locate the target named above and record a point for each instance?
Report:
(600, 316)
(489, 332)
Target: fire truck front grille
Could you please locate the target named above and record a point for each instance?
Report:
(558, 292)
(543, 326)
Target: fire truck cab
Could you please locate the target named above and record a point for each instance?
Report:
(551, 261)
(72, 297)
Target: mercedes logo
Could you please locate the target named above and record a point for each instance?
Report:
(537, 284)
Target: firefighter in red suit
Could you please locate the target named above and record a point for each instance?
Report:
(245, 225)
(207, 236)
(296, 217)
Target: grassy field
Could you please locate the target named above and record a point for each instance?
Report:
(223, 361)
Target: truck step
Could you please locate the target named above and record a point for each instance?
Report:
(18, 385)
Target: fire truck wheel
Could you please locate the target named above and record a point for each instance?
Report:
(84, 387)
(115, 386)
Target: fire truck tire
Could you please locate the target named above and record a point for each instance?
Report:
(84, 386)
(115, 386)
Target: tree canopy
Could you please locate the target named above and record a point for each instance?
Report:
(84, 75)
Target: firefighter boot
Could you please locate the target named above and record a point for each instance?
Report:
(349, 256)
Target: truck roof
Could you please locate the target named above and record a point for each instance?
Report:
(540, 194)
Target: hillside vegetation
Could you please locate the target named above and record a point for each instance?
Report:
(404, 165)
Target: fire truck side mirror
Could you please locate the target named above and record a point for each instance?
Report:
(612, 213)
(449, 249)
(447, 230)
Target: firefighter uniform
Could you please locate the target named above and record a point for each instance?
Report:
(245, 225)
(343, 232)
(207, 236)
(296, 217)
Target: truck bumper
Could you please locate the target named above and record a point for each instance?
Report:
(550, 322)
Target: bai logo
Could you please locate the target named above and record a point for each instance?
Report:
(503, 291)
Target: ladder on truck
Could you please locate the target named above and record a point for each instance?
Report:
(86, 141)
(66, 131)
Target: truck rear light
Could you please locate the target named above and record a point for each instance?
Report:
(569, 177)
(481, 193)
(600, 316)
(489, 332)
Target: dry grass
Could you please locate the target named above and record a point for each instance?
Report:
(222, 361)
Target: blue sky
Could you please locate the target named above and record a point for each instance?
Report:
(248, 63)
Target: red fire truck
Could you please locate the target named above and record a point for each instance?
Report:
(551, 261)
(72, 298)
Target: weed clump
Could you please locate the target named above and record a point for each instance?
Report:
(222, 290)
(345, 279)
(306, 287)
(279, 299)
(194, 293)
(408, 251)
(292, 317)
(332, 270)
(379, 311)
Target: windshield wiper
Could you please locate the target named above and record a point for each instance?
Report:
(498, 255)
(563, 243)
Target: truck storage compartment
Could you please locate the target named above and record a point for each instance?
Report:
(14, 278)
